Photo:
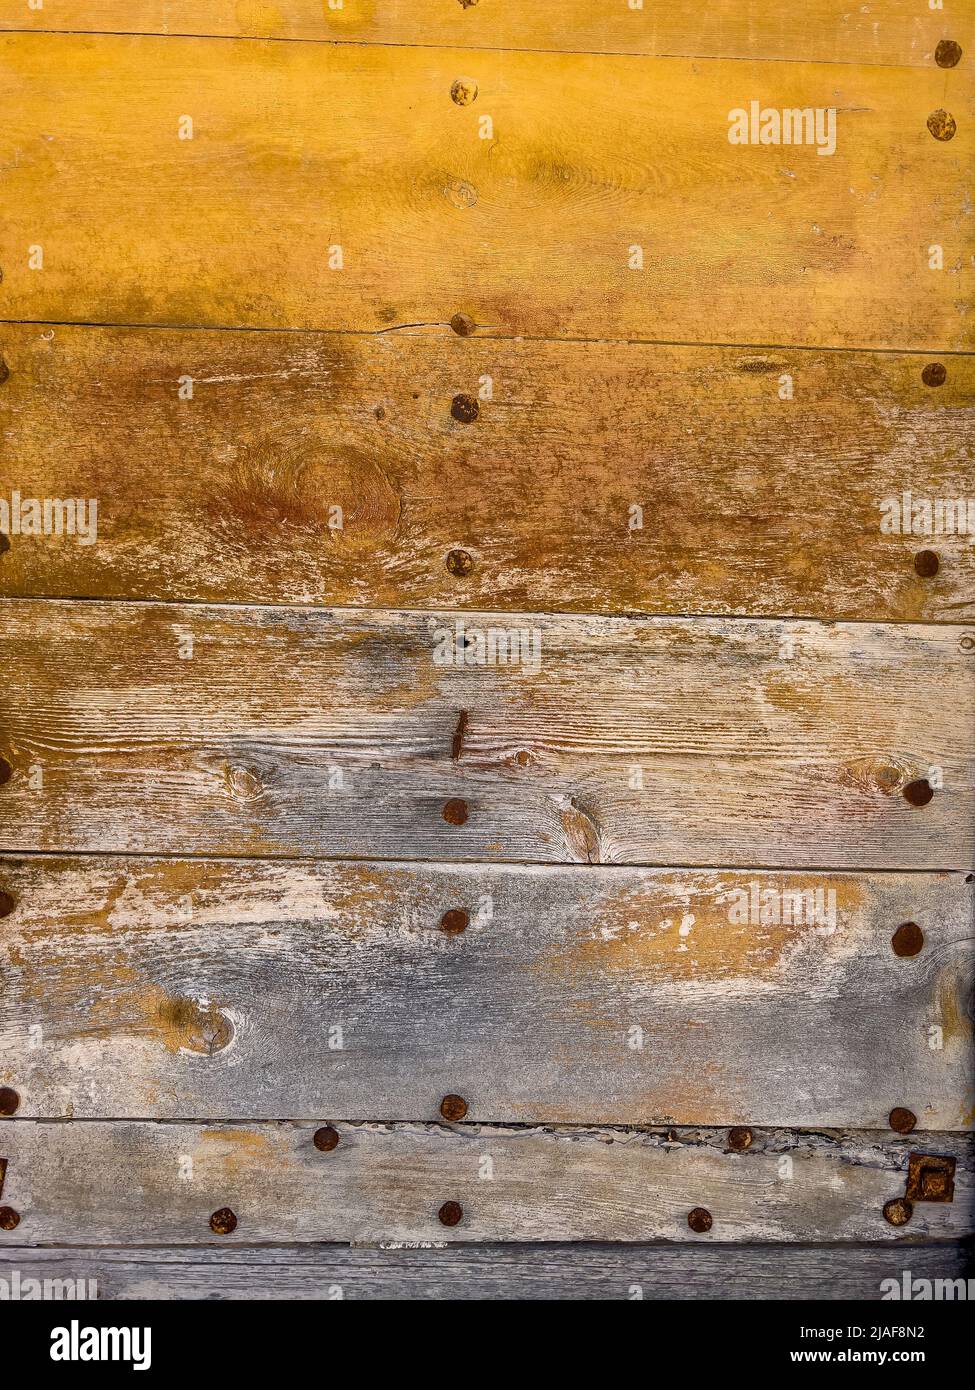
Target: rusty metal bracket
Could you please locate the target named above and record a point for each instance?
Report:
(930, 1178)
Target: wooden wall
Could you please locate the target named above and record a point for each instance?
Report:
(392, 341)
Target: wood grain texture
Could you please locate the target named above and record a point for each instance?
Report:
(301, 147)
(493, 1272)
(750, 504)
(87, 1183)
(897, 31)
(300, 731)
(195, 989)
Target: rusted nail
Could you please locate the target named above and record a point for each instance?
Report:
(450, 1213)
(9, 1219)
(463, 91)
(522, 758)
(453, 1108)
(898, 1211)
(459, 562)
(380, 412)
(454, 921)
(740, 1138)
(463, 325)
(9, 1100)
(457, 743)
(222, 1222)
(6, 771)
(967, 643)
(699, 1220)
(947, 53)
(325, 1138)
(934, 374)
(907, 939)
(942, 124)
(902, 1120)
(930, 1178)
(7, 904)
(927, 564)
(455, 811)
(465, 409)
(919, 793)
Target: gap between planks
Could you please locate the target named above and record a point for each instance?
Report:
(739, 345)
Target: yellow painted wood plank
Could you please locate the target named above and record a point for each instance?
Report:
(885, 31)
(331, 469)
(300, 148)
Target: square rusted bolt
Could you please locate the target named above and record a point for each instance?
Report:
(930, 1178)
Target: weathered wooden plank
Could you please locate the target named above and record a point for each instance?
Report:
(898, 31)
(299, 149)
(143, 1183)
(193, 989)
(748, 503)
(207, 730)
(496, 1272)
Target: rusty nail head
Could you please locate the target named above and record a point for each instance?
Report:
(930, 1178)
(740, 1138)
(465, 409)
(947, 53)
(699, 1220)
(926, 564)
(222, 1222)
(919, 793)
(450, 1213)
(453, 1108)
(454, 921)
(455, 811)
(459, 563)
(934, 374)
(325, 1138)
(942, 124)
(898, 1212)
(902, 1120)
(907, 940)
(9, 1219)
(9, 1100)
(463, 325)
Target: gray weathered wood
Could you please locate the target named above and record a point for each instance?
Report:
(77, 1182)
(263, 989)
(337, 733)
(494, 1272)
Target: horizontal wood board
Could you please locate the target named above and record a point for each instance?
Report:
(330, 469)
(894, 31)
(157, 728)
(101, 1184)
(301, 148)
(195, 989)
